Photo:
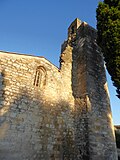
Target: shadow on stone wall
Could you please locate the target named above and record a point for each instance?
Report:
(81, 109)
(32, 128)
(93, 122)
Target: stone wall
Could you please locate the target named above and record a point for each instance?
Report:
(48, 113)
(94, 132)
(97, 115)
(33, 119)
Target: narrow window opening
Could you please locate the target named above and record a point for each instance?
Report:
(72, 29)
(40, 77)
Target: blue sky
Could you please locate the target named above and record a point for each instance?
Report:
(39, 27)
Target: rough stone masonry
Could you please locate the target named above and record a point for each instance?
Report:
(48, 113)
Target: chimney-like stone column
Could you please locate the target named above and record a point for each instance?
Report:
(94, 132)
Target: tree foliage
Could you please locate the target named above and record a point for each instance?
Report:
(108, 26)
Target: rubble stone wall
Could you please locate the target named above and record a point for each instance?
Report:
(33, 119)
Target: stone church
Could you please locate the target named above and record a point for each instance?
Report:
(50, 113)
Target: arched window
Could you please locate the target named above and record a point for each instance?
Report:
(40, 77)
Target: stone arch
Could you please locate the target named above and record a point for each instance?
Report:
(40, 77)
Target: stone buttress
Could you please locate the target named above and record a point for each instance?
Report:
(94, 132)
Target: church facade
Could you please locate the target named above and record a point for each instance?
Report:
(50, 113)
